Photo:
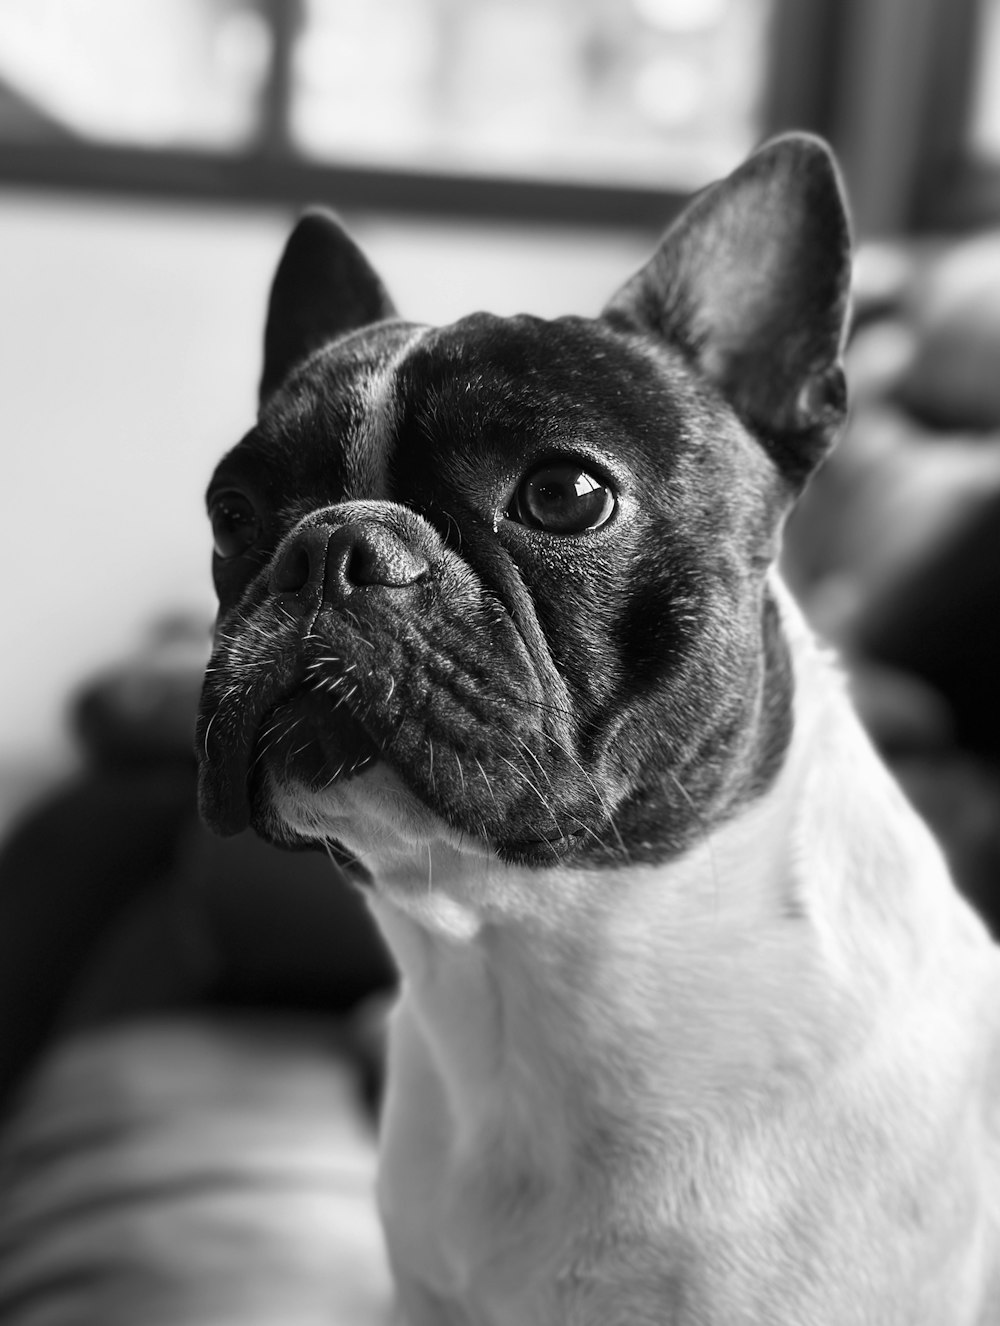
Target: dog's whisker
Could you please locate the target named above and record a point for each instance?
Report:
(208, 730)
(520, 773)
(703, 831)
(564, 750)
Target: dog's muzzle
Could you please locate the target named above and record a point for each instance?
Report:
(294, 713)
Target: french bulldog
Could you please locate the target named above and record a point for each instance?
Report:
(694, 1027)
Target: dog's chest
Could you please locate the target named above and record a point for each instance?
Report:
(484, 1254)
(478, 1239)
(502, 1210)
(478, 1213)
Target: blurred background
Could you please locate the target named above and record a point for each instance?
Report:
(502, 154)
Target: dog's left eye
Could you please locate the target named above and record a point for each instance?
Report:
(562, 498)
(235, 525)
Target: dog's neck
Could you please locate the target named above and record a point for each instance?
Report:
(672, 983)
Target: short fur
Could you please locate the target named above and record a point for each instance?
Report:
(694, 1028)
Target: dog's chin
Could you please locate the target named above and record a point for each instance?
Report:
(372, 814)
(377, 822)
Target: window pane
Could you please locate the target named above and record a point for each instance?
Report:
(157, 72)
(646, 91)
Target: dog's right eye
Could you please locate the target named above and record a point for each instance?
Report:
(235, 525)
(562, 498)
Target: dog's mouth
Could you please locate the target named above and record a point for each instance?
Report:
(283, 724)
(310, 739)
(305, 740)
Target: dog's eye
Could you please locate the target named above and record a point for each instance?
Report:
(562, 498)
(234, 523)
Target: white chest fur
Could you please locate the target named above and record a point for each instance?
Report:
(752, 1086)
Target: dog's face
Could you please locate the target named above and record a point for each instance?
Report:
(505, 582)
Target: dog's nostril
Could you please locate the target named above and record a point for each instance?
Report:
(293, 570)
(362, 555)
(381, 559)
(353, 557)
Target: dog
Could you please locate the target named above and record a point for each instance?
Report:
(694, 1027)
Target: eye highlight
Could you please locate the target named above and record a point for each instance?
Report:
(562, 497)
(235, 524)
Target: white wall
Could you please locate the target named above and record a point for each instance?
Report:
(129, 342)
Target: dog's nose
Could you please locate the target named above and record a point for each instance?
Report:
(355, 556)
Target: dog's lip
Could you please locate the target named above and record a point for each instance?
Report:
(558, 841)
(226, 735)
(227, 767)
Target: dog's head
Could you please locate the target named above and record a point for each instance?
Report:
(506, 582)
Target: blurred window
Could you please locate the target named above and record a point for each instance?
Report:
(642, 93)
(615, 90)
(601, 111)
(956, 139)
(151, 72)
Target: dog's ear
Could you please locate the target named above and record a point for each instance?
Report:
(752, 283)
(324, 286)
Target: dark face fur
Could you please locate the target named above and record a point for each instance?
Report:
(524, 563)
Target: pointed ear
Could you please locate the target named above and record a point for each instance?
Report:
(752, 284)
(324, 286)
